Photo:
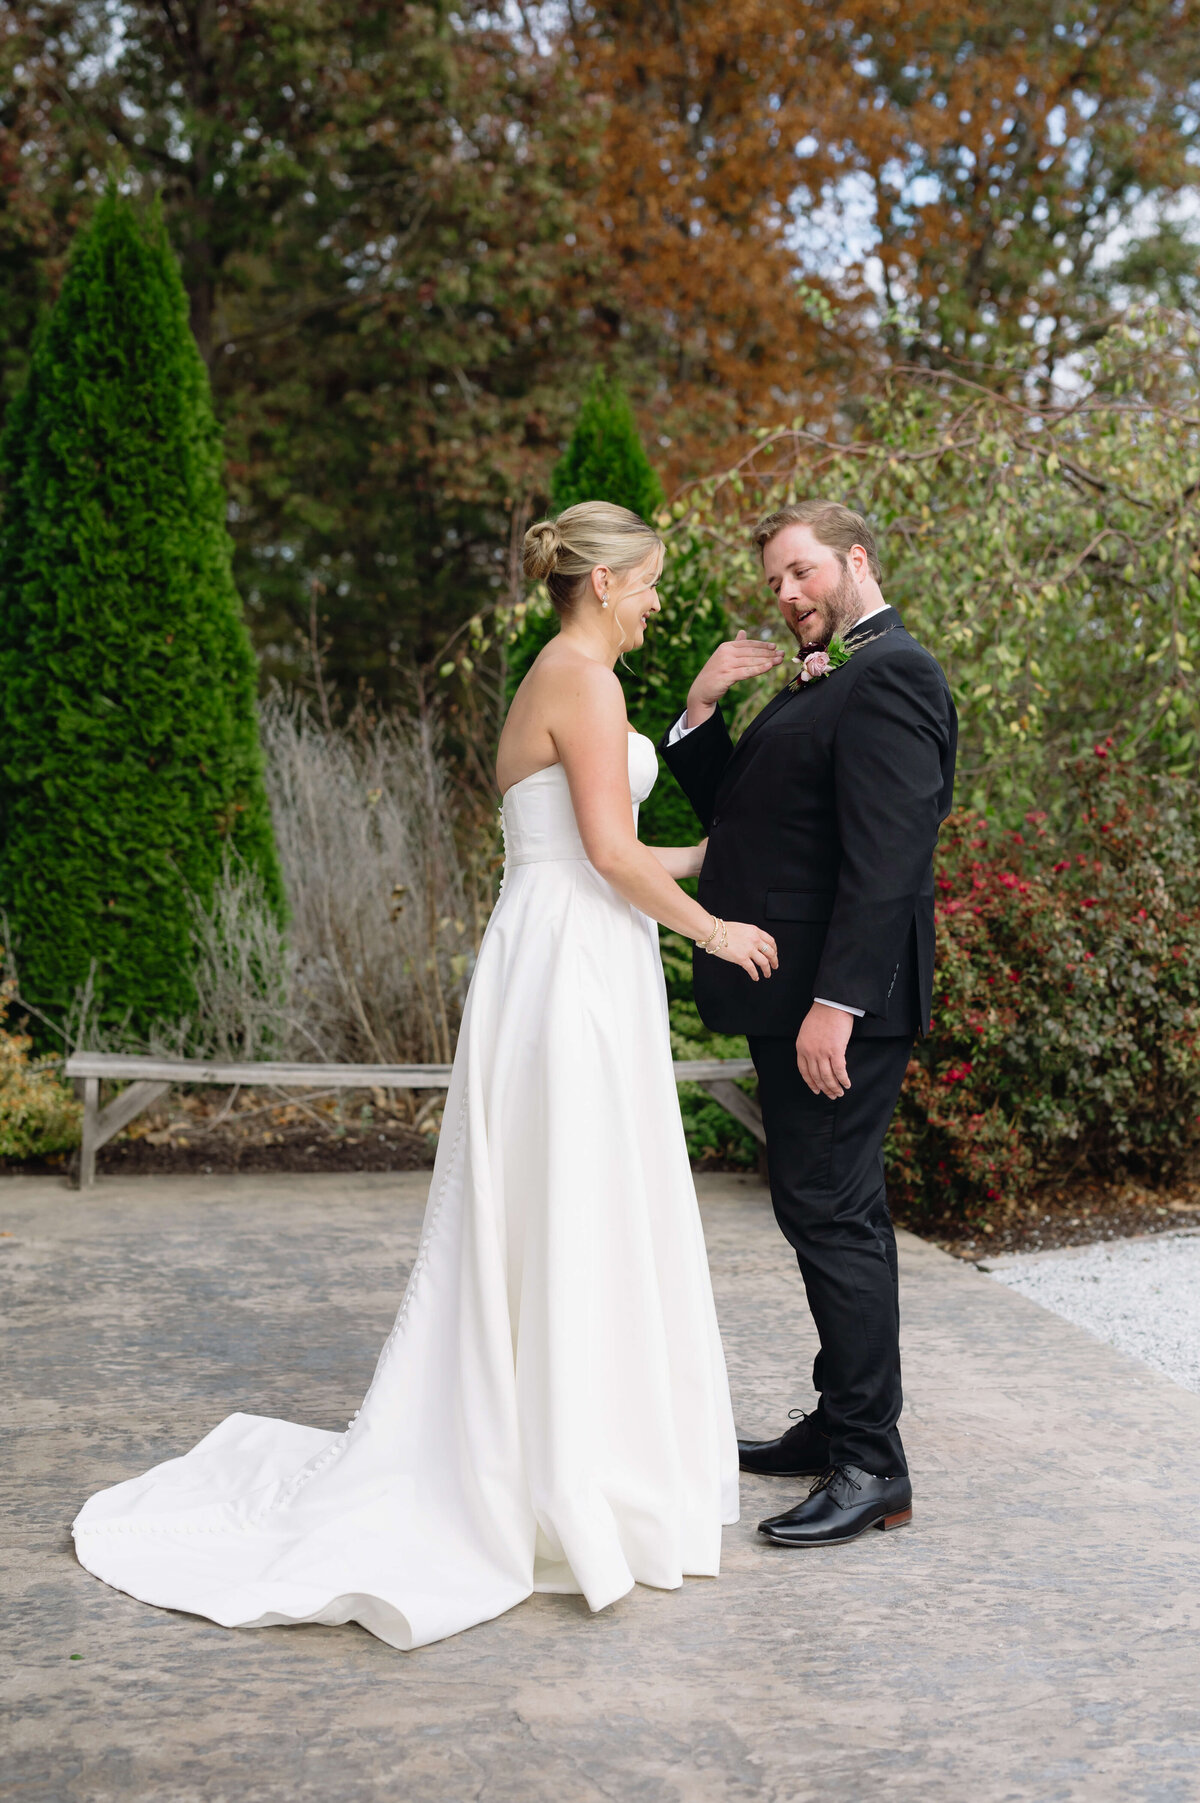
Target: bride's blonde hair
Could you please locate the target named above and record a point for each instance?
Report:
(563, 552)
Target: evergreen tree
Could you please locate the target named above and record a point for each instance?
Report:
(129, 756)
(606, 461)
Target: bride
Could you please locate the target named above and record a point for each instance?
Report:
(550, 1411)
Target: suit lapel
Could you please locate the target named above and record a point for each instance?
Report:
(880, 622)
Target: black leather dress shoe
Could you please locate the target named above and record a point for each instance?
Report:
(803, 1451)
(841, 1505)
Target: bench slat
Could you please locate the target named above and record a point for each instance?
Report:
(705, 1070)
(118, 1066)
(149, 1077)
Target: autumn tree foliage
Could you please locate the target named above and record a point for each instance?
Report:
(977, 161)
(694, 213)
(1021, 164)
(407, 232)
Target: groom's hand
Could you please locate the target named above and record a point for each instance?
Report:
(731, 662)
(821, 1050)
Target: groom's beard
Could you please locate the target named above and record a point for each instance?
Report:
(834, 613)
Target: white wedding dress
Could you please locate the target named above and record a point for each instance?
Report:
(550, 1410)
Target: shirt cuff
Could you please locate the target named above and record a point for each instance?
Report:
(680, 730)
(841, 1007)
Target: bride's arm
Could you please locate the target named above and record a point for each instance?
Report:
(680, 860)
(591, 734)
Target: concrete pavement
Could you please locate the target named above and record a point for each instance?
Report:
(1035, 1634)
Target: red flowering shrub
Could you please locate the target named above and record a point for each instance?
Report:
(1066, 1016)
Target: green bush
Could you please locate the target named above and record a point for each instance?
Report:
(129, 754)
(713, 1136)
(606, 461)
(39, 1116)
(1048, 554)
(1066, 1035)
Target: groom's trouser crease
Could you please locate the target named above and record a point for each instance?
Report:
(825, 1163)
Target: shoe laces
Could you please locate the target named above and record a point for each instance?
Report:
(799, 1415)
(826, 1479)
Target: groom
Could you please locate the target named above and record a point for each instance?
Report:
(822, 822)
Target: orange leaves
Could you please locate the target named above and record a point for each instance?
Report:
(704, 107)
(966, 162)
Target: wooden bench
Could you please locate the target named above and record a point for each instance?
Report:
(150, 1078)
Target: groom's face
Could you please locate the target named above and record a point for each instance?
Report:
(816, 591)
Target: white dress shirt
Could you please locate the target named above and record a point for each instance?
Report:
(681, 729)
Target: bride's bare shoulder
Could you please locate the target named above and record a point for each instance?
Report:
(561, 676)
(565, 700)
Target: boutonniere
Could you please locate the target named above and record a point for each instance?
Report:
(823, 663)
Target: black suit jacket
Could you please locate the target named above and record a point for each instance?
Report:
(822, 822)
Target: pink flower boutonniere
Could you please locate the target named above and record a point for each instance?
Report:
(836, 653)
(822, 663)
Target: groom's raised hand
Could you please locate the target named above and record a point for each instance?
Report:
(734, 661)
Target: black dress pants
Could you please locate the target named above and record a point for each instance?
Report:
(825, 1162)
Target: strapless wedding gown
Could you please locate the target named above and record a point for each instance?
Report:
(550, 1410)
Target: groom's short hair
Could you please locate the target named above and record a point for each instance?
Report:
(832, 524)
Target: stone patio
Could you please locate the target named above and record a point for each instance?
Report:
(1035, 1634)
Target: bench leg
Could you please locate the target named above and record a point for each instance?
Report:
(91, 1115)
(99, 1124)
(736, 1102)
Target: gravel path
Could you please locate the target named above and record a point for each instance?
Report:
(1142, 1296)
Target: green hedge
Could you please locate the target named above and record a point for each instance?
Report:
(129, 754)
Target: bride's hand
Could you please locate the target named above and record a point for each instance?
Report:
(751, 947)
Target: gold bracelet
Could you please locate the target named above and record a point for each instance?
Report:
(720, 927)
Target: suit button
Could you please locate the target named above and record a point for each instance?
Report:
(716, 820)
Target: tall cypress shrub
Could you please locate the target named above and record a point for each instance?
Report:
(606, 461)
(129, 755)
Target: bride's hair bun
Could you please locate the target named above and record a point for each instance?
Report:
(562, 552)
(543, 543)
